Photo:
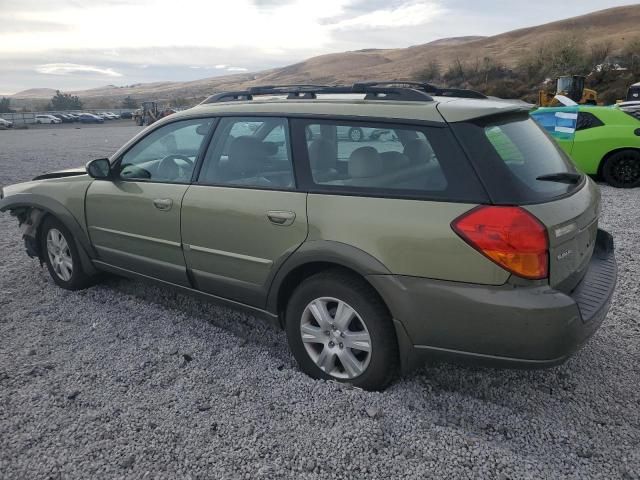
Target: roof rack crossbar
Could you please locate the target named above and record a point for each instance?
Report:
(430, 89)
(372, 92)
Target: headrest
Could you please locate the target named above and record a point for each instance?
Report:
(394, 160)
(322, 154)
(246, 155)
(365, 162)
(418, 151)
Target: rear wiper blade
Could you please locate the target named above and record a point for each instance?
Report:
(562, 177)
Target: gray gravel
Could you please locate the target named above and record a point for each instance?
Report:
(131, 380)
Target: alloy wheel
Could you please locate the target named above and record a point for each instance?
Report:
(626, 169)
(335, 338)
(59, 254)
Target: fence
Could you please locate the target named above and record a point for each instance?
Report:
(26, 118)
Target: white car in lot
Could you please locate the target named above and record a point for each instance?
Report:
(5, 124)
(47, 119)
(113, 116)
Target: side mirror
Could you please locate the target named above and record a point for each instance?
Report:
(100, 169)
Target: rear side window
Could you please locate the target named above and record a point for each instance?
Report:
(383, 159)
(587, 120)
(511, 154)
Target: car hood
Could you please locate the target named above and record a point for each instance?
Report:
(69, 172)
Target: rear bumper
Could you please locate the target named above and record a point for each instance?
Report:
(505, 325)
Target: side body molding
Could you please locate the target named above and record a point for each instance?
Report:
(46, 204)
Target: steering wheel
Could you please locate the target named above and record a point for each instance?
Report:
(169, 169)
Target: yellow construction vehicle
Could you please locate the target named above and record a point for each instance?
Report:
(571, 86)
(147, 114)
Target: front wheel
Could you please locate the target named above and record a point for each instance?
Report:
(62, 257)
(622, 169)
(339, 329)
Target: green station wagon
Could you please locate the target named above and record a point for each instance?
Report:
(460, 231)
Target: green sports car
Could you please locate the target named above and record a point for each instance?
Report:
(602, 141)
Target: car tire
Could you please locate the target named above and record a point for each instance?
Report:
(355, 134)
(325, 353)
(622, 169)
(61, 256)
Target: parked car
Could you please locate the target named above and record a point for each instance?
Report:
(469, 233)
(63, 117)
(5, 123)
(126, 115)
(75, 117)
(114, 116)
(47, 119)
(355, 134)
(90, 118)
(602, 141)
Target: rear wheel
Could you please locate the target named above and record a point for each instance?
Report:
(622, 169)
(61, 256)
(339, 329)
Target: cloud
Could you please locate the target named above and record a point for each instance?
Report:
(237, 69)
(73, 68)
(404, 15)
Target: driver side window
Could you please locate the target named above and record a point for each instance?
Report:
(168, 154)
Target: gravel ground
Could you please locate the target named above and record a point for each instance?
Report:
(131, 380)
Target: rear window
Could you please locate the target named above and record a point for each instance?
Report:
(511, 154)
(370, 158)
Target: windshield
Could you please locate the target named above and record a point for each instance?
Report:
(517, 160)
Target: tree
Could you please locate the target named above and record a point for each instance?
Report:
(4, 105)
(430, 73)
(64, 101)
(129, 102)
(630, 55)
(600, 52)
(179, 102)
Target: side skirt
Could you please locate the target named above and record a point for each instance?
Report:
(270, 317)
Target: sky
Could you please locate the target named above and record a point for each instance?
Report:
(78, 44)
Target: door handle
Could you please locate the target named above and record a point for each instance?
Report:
(282, 218)
(163, 203)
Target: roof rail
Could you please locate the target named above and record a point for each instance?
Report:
(406, 93)
(431, 89)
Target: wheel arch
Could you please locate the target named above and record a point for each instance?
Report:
(316, 256)
(29, 202)
(613, 152)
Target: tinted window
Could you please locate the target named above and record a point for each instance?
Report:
(511, 154)
(251, 152)
(587, 120)
(365, 157)
(167, 154)
(385, 160)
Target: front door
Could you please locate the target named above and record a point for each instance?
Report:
(134, 220)
(243, 217)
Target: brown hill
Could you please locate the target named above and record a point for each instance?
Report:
(614, 26)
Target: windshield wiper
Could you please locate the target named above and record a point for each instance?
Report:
(562, 177)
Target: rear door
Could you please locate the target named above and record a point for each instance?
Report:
(244, 216)
(134, 219)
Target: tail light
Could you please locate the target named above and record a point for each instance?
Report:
(509, 236)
